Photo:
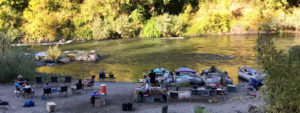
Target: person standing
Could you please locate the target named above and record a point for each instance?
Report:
(165, 79)
(152, 76)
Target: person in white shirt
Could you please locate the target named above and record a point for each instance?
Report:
(165, 80)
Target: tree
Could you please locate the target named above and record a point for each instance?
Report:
(282, 83)
(13, 61)
(44, 18)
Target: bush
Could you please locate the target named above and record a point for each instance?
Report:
(151, 29)
(53, 52)
(211, 23)
(124, 27)
(101, 29)
(165, 25)
(199, 109)
(282, 83)
(13, 61)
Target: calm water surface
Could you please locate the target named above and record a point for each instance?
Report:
(128, 59)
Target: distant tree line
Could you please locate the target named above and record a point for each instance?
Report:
(49, 20)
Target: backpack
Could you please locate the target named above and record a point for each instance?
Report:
(3, 103)
(29, 103)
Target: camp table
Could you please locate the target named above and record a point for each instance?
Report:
(99, 96)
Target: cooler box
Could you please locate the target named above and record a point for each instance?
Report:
(231, 88)
(51, 106)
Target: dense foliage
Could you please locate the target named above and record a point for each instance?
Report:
(282, 83)
(50, 20)
(13, 61)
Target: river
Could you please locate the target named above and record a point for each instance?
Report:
(128, 59)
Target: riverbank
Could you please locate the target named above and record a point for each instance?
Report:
(119, 93)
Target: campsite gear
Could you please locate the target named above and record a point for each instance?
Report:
(103, 89)
(68, 79)
(29, 103)
(38, 79)
(157, 99)
(100, 99)
(231, 88)
(129, 106)
(214, 100)
(165, 109)
(148, 99)
(254, 95)
(54, 90)
(54, 79)
(184, 94)
(3, 102)
(92, 100)
(64, 89)
(51, 106)
(204, 92)
(98, 103)
(173, 94)
(43, 97)
(125, 107)
(246, 73)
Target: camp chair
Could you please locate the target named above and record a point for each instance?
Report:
(79, 87)
(111, 77)
(38, 80)
(54, 80)
(47, 91)
(68, 79)
(64, 89)
(27, 92)
(91, 86)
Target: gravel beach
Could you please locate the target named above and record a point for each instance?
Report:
(119, 93)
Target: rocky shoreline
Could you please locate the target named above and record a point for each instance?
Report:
(67, 57)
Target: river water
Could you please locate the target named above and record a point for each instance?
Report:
(128, 59)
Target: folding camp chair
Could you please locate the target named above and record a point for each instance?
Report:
(64, 89)
(68, 80)
(54, 80)
(47, 92)
(27, 92)
(111, 77)
(79, 87)
(38, 80)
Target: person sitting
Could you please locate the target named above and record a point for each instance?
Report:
(27, 89)
(47, 86)
(102, 75)
(77, 86)
(47, 89)
(20, 80)
(90, 82)
(18, 88)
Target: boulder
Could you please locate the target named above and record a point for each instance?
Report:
(40, 63)
(63, 60)
(91, 57)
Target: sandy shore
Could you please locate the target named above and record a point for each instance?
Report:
(119, 93)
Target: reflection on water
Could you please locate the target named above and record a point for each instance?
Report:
(129, 58)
